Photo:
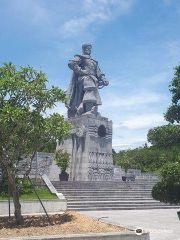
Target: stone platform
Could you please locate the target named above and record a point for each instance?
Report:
(90, 146)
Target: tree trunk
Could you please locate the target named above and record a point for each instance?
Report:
(15, 193)
(3, 180)
(3, 175)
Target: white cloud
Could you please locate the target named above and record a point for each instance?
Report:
(118, 82)
(168, 2)
(75, 26)
(143, 121)
(136, 99)
(161, 77)
(63, 19)
(35, 12)
(94, 12)
(129, 142)
(173, 48)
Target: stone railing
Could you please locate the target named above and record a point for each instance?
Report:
(147, 176)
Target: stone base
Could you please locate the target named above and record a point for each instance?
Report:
(90, 146)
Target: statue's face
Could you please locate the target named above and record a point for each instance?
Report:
(87, 50)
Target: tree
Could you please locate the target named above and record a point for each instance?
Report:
(173, 113)
(168, 190)
(164, 136)
(168, 137)
(115, 157)
(125, 160)
(62, 158)
(50, 148)
(24, 126)
(148, 159)
(126, 163)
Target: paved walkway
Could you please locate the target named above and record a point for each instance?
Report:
(163, 224)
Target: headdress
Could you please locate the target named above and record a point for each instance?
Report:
(84, 45)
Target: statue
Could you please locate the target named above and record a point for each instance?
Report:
(87, 78)
(90, 140)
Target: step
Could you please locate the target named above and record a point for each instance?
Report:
(122, 208)
(104, 182)
(103, 187)
(86, 188)
(107, 195)
(105, 199)
(103, 191)
(114, 204)
(97, 196)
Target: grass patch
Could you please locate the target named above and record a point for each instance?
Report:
(43, 194)
(27, 193)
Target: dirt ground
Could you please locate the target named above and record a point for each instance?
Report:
(67, 223)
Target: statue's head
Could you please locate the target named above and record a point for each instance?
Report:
(86, 48)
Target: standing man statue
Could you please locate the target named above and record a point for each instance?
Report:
(87, 78)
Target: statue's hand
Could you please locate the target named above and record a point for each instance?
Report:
(106, 83)
(103, 83)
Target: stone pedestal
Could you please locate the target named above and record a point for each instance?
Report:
(90, 146)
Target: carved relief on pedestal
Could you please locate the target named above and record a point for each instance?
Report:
(100, 167)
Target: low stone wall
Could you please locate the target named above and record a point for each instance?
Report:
(91, 236)
(147, 176)
(34, 206)
(42, 163)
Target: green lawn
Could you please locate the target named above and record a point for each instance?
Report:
(43, 194)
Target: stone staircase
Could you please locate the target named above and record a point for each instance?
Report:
(96, 196)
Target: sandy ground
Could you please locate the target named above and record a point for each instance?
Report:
(67, 223)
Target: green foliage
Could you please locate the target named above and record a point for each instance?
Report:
(173, 113)
(168, 190)
(26, 192)
(50, 148)
(127, 162)
(25, 189)
(148, 159)
(3, 188)
(129, 159)
(43, 194)
(114, 156)
(164, 136)
(24, 126)
(170, 173)
(62, 158)
(167, 140)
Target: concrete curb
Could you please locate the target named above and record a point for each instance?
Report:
(90, 236)
(34, 206)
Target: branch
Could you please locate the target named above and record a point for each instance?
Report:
(29, 170)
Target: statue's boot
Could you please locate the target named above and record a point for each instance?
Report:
(91, 109)
(80, 109)
(88, 106)
(94, 111)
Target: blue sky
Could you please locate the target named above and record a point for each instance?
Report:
(136, 43)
